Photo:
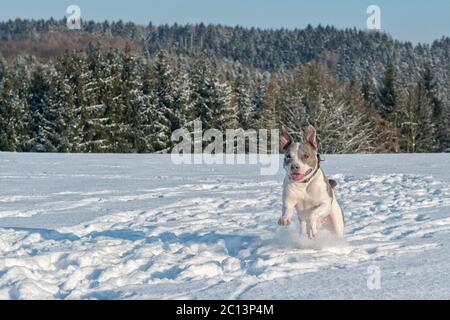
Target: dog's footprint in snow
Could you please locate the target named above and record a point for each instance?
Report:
(422, 217)
(223, 204)
(389, 230)
(403, 235)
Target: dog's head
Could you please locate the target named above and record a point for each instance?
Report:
(300, 159)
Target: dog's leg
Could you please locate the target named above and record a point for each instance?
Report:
(286, 218)
(314, 219)
(303, 227)
(337, 221)
(312, 226)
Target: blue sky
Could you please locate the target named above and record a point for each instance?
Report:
(411, 20)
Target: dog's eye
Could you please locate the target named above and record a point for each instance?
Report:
(305, 157)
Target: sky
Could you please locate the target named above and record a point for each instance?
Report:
(408, 20)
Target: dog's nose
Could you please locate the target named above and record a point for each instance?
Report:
(295, 166)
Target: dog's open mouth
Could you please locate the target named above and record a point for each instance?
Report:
(298, 176)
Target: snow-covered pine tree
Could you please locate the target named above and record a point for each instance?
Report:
(20, 71)
(270, 114)
(152, 116)
(112, 124)
(417, 131)
(97, 115)
(369, 93)
(62, 102)
(130, 101)
(223, 115)
(45, 137)
(294, 116)
(2, 68)
(186, 113)
(388, 93)
(148, 139)
(13, 116)
(258, 103)
(439, 115)
(332, 110)
(75, 69)
(242, 101)
(167, 102)
(210, 97)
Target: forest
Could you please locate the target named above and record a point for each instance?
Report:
(116, 87)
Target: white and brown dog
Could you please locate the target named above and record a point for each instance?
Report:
(307, 190)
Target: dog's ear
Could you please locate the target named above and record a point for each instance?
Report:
(311, 137)
(285, 139)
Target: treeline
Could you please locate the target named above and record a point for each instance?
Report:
(108, 98)
(349, 54)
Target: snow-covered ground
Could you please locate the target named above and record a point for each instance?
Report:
(139, 227)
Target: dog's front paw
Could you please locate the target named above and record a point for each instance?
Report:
(284, 221)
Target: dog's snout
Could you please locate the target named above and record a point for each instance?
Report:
(295, 166)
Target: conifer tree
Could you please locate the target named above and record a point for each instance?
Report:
(129, 103)
(96, 113)
(242, 101)
(439, 116)
(210, 97)
(369, 93)
(45, 137)
(62, 102)
(258, 99)
(165, 101)
(148, 140)
(388, 93)
(269, 114)
(75, 71)
(13, 117)
(415, 121)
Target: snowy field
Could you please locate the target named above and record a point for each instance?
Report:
(138, 227)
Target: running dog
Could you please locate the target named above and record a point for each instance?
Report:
(307, 190)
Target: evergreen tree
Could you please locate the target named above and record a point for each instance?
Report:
(76, 74)
(242, 101)
(294, 115)
(388, 93)
(257, 108)
(439, 117)
(149, 141)
(2, 68)
(210, 97)
(98, 111)
(369, 93)
(168, 102)
(13, 117)
(45, 137)
(130, 103)
(332, 109)
(415, 121)
(62, 102)
(269, 114)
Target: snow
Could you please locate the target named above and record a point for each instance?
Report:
(138, 227)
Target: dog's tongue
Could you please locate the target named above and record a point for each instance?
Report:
(300, 176)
